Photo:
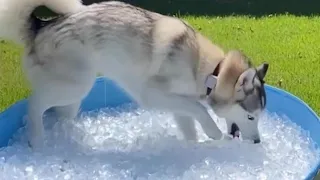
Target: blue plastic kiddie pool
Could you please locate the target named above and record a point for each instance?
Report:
(278, 101)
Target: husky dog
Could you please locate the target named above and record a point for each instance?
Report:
(161, 61)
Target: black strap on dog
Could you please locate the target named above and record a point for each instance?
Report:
(214, 73)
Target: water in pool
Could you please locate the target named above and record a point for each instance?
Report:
(113, 144)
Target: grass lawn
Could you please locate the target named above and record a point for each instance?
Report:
(290, 44)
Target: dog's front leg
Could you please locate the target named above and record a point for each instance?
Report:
(187, 126)
(184, 106)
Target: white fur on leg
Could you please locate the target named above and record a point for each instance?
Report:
(187, 126)
(68, 112)
(209, 127)
(50, 90)
(56, 93)
(35, 129)
(181, 104)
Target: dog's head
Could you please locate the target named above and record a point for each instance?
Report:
(239, 95)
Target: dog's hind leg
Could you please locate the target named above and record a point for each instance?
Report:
(41, 100)
(37, 105)
(55, 89)
(187, 126)
(65, 95)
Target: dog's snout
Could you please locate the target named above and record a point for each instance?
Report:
(256, 141)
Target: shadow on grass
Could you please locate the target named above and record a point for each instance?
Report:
(255, 8)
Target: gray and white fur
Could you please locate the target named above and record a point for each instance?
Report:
(161, 61)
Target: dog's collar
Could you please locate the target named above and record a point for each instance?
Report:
(211, 80)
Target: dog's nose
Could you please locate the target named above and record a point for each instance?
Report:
(256, 141)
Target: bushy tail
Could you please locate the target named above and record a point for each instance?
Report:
(14, 14)
(63, 6)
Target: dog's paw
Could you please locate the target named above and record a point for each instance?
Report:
(36, 143)
(35, 147)
(192, 141)
(35, 135)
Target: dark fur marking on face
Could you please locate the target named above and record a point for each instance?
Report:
(255, 95)
(262, 93)
(255, 100)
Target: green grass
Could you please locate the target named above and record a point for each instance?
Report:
(13, 86)
(290, 44)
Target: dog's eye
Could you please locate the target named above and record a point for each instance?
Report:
(250, 118)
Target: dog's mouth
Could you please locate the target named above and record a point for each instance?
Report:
(235, 131)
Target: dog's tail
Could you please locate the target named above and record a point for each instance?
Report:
(14, 14)
(62, 6)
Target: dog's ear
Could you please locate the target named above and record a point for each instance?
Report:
(262, 70)
(244, 84)
(246, 78)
